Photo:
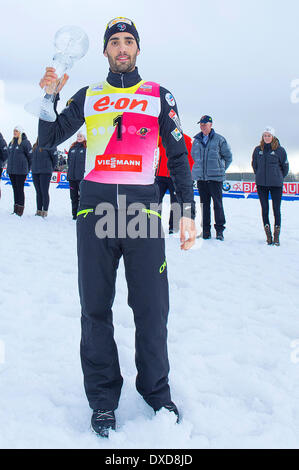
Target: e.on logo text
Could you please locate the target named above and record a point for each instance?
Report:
(120, 104)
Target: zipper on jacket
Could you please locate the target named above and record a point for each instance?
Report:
(205, 176)
(123, 86)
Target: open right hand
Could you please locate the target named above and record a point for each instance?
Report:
(50, 81)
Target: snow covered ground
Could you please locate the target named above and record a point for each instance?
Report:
(233, 327)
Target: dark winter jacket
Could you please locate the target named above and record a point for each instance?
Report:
(44, 160)
(3, 151)
(72, 118)
(76, 162)
(19, 156)
(211, 160)
(270, 166)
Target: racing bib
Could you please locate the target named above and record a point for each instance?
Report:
(122, 133)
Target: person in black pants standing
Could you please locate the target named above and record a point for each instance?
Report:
(124, 116)
(76, 168)
(44, 160)
(270, 165)
(18, 167)
(3, 155)
(212, 157)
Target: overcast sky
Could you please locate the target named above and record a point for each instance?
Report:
(231, 59)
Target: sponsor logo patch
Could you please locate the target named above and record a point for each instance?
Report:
(122, 103)
(131, 163)
(143, 131)
(121, 27)
(177, 134)
(173, 115)
(170, 99)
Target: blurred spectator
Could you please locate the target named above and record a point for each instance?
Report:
(270, 165)
(76, 170)
(18, 167)
(212, 157)
(3, 155)
(164, 181)
(44, 161)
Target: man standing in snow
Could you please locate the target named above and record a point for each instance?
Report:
(124, 116)
(212, 157)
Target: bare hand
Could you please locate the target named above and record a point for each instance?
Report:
(187, 225)
(51, 82)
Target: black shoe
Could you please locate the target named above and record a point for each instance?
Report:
(74, 217)
(171, 407)
(219, 236)
(206, 235)
(102, 421)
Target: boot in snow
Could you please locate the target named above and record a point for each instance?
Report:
(39, 213)
(171, 407)
(20, 210)
(102, 421)
(276, 235)
(268, 234)
(206, 234)
(44, 214)
(219, 236)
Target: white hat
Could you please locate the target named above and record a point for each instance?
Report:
(81, 133)
(269, 130)
(18, 128)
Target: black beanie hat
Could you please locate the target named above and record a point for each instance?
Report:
(120, 25)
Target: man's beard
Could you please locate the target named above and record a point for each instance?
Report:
(118, 67)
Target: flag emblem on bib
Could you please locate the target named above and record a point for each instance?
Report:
(170, 99)
(147, 88)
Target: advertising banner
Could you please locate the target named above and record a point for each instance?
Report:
(233, 189)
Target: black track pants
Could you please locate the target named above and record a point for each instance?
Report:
(211, 190)
(18, 182)
(146, 275)
(75, 195)
(276, 194)
(41, 183)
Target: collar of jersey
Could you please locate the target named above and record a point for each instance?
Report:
(130, 79)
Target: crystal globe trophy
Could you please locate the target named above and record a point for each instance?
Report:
(71, 44)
